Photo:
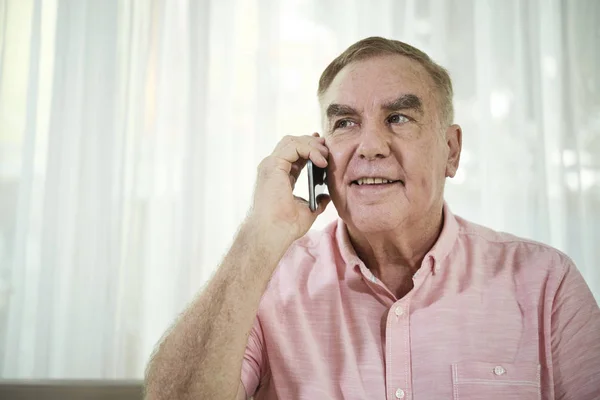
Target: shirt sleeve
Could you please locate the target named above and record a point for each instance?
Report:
(575, 324)
(254, 363)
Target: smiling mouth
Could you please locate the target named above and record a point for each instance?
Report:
(375, 181)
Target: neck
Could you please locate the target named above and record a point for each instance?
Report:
(401, 250)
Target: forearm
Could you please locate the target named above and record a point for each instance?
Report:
(202, 355)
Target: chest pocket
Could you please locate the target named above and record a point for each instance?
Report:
(482, 380)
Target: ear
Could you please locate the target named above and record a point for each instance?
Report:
(454, 143)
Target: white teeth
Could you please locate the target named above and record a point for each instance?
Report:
(372, 181)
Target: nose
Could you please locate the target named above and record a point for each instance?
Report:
(374, 143)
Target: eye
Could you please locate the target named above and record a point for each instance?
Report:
(397, 119)
(343, 123)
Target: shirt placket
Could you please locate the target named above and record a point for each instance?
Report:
(397, 345)
(398, 355)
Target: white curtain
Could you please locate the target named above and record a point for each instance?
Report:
(130, 132)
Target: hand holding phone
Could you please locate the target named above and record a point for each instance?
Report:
(275, 208)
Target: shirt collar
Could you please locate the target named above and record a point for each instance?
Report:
(445, 242)
(438, 252)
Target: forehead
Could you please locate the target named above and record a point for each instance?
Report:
(369, 83)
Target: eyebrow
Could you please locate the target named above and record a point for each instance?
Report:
(404, 102)
(338, 110)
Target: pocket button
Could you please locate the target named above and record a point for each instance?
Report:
(499, 370)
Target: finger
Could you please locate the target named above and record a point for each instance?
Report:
(316, 141)
(292, 149)
(306, 144)
(323, 149)
(319, 141)
(323, 201)
(295, 171)
(297, 167)
(316, 153)
(301, 201)
(304, 208)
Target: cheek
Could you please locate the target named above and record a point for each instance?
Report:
(335, 172)
(432, 168)
(339, 155)
(423, 164)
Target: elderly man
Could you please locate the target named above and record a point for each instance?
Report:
(399, 298)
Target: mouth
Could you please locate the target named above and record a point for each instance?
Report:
(375, 181)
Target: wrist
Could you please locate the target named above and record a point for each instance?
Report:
(270, 239)
(272, 230)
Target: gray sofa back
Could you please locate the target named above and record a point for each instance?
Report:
(67, 390)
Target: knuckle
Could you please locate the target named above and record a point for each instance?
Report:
(287, 139)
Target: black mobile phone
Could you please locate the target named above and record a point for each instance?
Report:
(316, 182)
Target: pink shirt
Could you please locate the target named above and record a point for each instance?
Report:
(491, 316)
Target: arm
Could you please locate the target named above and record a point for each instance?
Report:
(202, 355)
(575, 339)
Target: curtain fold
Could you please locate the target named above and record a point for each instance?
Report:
(130, 132)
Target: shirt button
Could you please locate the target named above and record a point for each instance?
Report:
(499, 370)
(400, 394)
(399, 311)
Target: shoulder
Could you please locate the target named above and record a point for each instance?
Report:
(511, 248)
(310, 264)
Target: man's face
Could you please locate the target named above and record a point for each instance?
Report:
(389, 152)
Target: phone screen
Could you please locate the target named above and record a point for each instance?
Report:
(316, 183)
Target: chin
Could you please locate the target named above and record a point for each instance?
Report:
(372, 221)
